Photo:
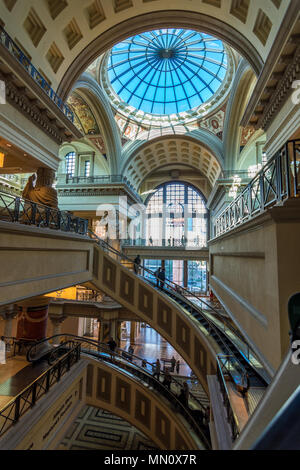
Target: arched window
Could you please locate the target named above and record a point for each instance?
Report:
(176, 216)
(70, 160)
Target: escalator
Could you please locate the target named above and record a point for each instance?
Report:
(193, 411)
(241, 368)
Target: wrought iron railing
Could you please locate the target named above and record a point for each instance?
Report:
(222, 372)
(24, 211)
(278, 180)
(24, 401)
(196, 242)
(15, 346)
(19, 55)
(231, 174)
(96, 179)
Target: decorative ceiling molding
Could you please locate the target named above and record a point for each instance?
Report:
(156, 20)
(272, 86)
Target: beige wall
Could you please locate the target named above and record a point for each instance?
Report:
(254, 270)
(140, 405)
(36, 261)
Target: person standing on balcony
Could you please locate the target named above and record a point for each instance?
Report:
(173, 364)
(137, 263)
(150, 241)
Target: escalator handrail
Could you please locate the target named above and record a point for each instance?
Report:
(188, 293)
(191, 304)
(105, 346)
(176, 286)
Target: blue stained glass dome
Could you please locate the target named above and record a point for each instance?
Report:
(168, 70)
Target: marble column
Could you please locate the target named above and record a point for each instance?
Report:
(8, 313)
(56, 327)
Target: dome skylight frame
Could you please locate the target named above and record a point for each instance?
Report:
(140, 116)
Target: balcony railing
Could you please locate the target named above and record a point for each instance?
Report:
(196, 242)
(278, 180)
(97, 179)
(23, 211)
(19, 55)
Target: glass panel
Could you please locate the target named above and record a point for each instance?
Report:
(197, 275)
(87, 167)
(70, 163)
(152, 265)
(176, 216)
(167, 71)
(174, 271)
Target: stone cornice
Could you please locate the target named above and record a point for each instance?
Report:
(18, 73)
(77, 190)
(276, 55)
(283, 89)
(16, 97)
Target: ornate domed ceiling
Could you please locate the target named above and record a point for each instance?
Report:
(167, 71)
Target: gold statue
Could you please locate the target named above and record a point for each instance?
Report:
(39, 188)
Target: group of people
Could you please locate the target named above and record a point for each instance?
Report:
(184, 393)
(112, 347)
(172, 241)
(183, 396)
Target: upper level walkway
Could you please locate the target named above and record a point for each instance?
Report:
(180, 252)
(276, 182)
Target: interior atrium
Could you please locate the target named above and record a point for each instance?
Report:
(149, 225)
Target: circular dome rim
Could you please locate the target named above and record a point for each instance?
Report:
(126, 111)
(179, 66)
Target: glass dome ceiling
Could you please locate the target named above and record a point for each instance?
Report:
(167, 71)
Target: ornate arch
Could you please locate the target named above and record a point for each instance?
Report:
(102, 110)
(156, 20)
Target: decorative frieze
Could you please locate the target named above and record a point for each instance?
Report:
(283, 88)
(16, 97)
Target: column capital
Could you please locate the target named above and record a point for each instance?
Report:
(9, 311)
(57, 318)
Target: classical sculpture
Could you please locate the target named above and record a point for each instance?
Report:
(39, 188)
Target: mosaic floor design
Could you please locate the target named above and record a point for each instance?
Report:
(96, 429)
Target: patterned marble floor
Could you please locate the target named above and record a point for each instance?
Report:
(150, 345)
(96, 429)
